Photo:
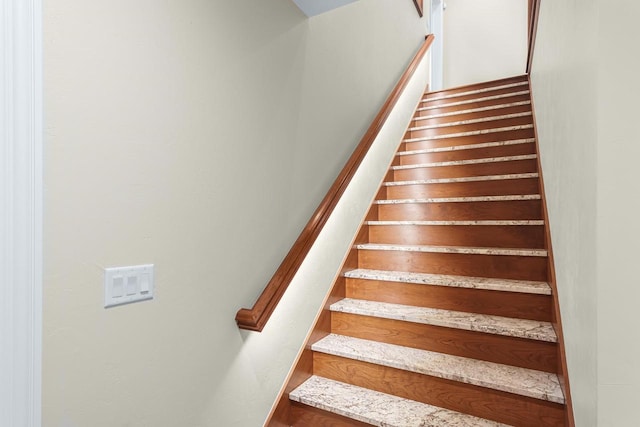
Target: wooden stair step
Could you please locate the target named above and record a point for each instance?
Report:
(478, 85)
(460, 209)
(521, 299)
(481, 125)
(466, 162)
(536, 222)
(479, 178)
(444, 153)
(470, 133)
(453, 249)
(442, 108)
(510, 379)
(505, 263)
(376, 408)
(463, 97)
(504, 234)
(467, 147)
(471, 121)
(444, 169)
(468, 140)
(486, 283)
(505, 198)
(438, 97)
(475, 100)
(473, 110)
(498, 325)
(461, 186)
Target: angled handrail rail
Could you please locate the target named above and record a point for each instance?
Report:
(419, 6)
(534, 12)
(255, 318)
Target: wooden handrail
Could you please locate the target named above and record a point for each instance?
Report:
(419, 6)
(255, 319)
(534, 12)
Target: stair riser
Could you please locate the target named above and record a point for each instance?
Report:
(501, 187)
(499, 266)
(431, 102)
(518, 210)
(479, 153)
(306, 416)
(480, 169)
(481, 301)
(493, 124)
(467, 106)
(485, 85)
(472, 115)
(519, 352)
(481, 402)
(467, 140)
(507, 236)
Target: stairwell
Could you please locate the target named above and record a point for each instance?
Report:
(443, 315)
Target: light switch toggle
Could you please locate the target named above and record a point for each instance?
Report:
(118, 286)
(124, 285)
(145, 285)
(132, 285)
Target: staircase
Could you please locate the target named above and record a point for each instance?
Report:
(443, 314)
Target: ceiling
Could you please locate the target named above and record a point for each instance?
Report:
(316, 7)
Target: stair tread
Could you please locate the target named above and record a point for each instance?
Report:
(505, 198)
(453, 249)
(508, 222)
(467, 147)
(474, 110)
(510, 379)
(481, 84)
(475, 91)
(486, 283)
(498, 325)
(471, 133)
(463, 179)
(473, 121)
(467, 162)
(378, 408)
(471, 101)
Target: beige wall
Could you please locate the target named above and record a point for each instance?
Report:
(618, 206)
(198, 136)
(585, 86)
(484, 40)
(564, 93)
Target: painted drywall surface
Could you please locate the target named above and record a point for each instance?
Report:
(333, 109)
(198, 136)
(484, 40)
(618, 206)
(585, 86)
(300, 303)
(565, 96)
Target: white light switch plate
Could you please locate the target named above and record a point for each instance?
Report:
(124, 285)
